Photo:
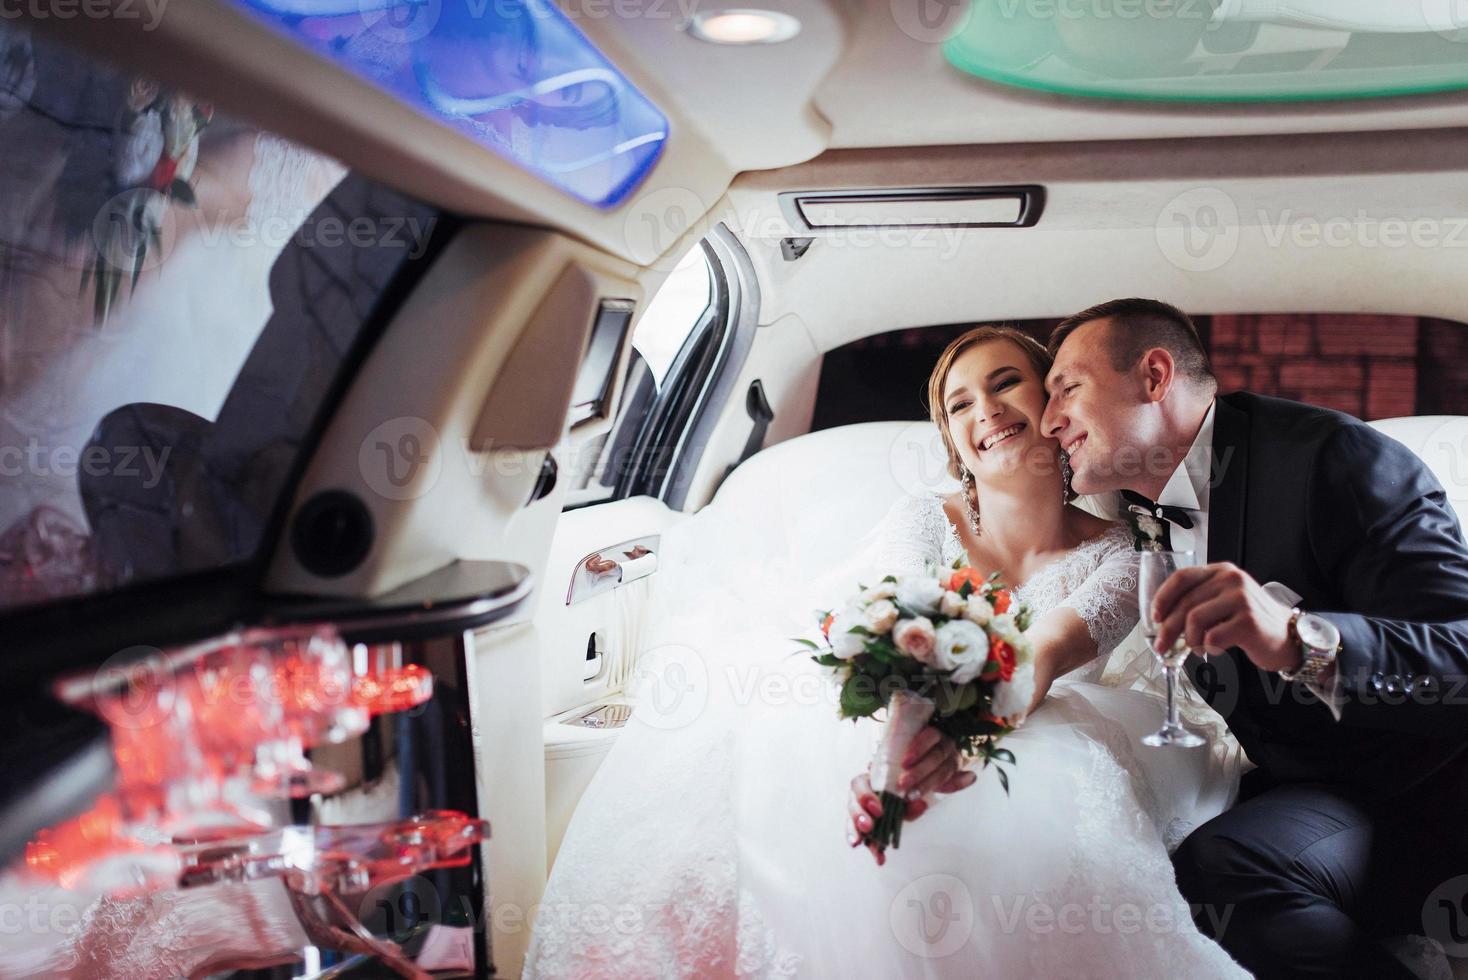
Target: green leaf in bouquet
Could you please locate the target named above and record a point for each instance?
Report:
(1002, 755)
(890, 578)
(966, 589)
(880, 641)
(828, 660)
(859, 696)
(907, 612)
(1022, 618)
(952, 698)
(805, 642)
(881, 654)
(968, 698)
(1003, 779)
(861, 631)
(945, 699)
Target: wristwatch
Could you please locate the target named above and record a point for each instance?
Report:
(1319, 642)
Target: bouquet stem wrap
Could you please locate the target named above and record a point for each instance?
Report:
(907, 713)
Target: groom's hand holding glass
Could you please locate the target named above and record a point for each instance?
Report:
(1218, 606)
(932, 765)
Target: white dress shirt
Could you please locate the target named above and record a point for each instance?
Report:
(1189, 486)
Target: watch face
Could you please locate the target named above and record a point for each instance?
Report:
(1318, 633)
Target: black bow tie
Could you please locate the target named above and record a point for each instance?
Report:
(1181, 516)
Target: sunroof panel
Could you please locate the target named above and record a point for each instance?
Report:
(1217, 50)
(515, 75)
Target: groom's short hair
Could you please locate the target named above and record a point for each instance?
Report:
(1138, 325)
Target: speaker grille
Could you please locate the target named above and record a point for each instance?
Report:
(332, 533)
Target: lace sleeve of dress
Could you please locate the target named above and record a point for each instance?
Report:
(909, 536)
(1107, 600)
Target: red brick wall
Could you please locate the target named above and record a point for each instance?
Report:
(1364, 365)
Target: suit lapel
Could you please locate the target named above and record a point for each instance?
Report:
(1229, 476)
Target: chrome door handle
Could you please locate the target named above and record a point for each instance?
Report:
(604, 570)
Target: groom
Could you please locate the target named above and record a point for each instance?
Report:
(1343, 679)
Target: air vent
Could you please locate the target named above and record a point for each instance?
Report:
(914, 207)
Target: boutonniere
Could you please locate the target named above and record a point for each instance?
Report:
(1147, 530)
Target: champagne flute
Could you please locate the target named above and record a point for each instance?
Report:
(1157, 567)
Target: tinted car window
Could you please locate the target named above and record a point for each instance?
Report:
(178, 293)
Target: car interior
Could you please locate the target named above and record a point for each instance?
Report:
(473, 335)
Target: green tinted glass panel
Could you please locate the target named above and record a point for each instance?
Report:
(1217, 50)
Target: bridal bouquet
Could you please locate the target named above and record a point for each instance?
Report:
(946, 648)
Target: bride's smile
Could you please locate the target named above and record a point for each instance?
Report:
(1001, 436)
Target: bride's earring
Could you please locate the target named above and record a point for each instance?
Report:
(971, 493)
(1066, 493)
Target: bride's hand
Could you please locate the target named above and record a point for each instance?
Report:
(932, 765)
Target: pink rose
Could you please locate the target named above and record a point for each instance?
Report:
(916, 638)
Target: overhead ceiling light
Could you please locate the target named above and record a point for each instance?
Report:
(743, 26)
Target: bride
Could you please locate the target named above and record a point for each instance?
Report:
(710, 842)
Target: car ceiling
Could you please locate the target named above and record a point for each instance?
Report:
(817, 110)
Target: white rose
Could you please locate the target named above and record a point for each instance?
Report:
(1152, 529)
(977, 610)
(879, 616)
(916, 638)
(963, 648)
(844, 643)
(882, 590)
(1004, 627)
(920, 593)
(1014, 695)
(952, 605)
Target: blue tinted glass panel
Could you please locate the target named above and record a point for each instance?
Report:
(515, 75)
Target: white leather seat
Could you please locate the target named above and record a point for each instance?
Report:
(807, 497)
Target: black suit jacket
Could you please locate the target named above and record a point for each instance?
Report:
(1355, 523)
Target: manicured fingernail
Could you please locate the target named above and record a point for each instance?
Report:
(864, 822)
(913, 795)
(852, 838)
(874, 808)
(903, 782)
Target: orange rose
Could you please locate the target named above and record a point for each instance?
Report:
(826, 625)
(1004, 654)
(1001, 603)
(965, 574)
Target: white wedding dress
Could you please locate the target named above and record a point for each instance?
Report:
(711, 843)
